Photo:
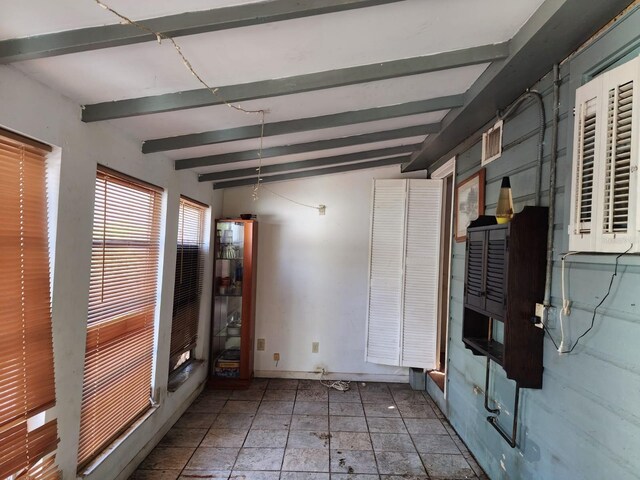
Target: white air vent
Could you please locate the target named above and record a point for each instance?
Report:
(605, 213)
(492, 143)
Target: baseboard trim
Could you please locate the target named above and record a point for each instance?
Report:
(354, 377)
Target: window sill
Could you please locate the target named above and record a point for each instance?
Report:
(89, 469)
(180, 376)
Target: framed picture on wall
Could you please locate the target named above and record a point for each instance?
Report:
(469, 203)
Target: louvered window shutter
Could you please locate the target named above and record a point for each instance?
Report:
(620, 178)
(385, 272)
(122, 304)
(27, 389)
(605, 216)
(585, 168)
(422, 263)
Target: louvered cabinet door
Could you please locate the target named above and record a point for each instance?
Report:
(474, 286)
(619, 190)
(586, 168)
(422, 263)
(495, 272)
(385, 272)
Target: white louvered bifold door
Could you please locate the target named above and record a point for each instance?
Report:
(619, 193)
(586, 169)
(422, 263)
(385, 272)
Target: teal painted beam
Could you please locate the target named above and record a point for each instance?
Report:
(297, 84)
(190, 23)
(313, 173)
(315, 163)
(303, 124)
(363, 139)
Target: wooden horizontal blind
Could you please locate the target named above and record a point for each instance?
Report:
(122, 303)
(189, 271)
(26, 349)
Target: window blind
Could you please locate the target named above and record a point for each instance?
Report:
(26, 349)
(122, 303)
(188, 281)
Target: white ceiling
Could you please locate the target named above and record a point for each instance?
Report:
(273, 50)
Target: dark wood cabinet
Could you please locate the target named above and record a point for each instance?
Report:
(504, 278)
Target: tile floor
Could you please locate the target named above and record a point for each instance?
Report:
(298, 429)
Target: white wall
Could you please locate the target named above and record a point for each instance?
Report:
(36, 111)
(312, 273)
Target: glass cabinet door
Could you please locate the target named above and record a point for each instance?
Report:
(228, 315)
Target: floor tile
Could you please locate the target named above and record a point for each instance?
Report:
(312, 396)
(208, 474)
(247, 395)
(386, 425)
(213, 458)
(303, 476)
(311, 408)
(346, 409)
(233, 421)
(347, 424)
(240, 406)
(195, 420)
(373, 387)
(354, 476)
(207, 404)
(392, 442)
(419, 410)
(387, 409)
(167, 458)
(310, 385)
(155, 475)
(249, 475)
(259, 459)
(353, 461)
(183, 437)
(266, 438)
(306, 439)
(350, 396)
(376, 397)
(310, 422)
(306, 460)
(434, 443)
(282, 384)
(399, 463)
(447, 466)
(350, 441)
(408, 397)
(259, 384)
(265, 421)
(224, 437)
(431, 426)
(280, 395)
(276, 407)
(404, 477)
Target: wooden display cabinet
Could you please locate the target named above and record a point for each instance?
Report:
(233, 303)
(505, 273)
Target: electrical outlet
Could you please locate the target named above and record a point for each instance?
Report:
(315, 347)
(261, 344)
(276, 357)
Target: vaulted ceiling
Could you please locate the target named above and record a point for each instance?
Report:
(346, 84)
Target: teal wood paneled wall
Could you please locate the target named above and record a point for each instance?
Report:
(585, 421)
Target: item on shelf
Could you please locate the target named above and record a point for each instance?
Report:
(504, 210)
(227, 235)
(246, 216)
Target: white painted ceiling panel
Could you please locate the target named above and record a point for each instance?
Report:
(311, 155)
(23, 18)
(310, 136)
(302, 105)
(281, 49)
